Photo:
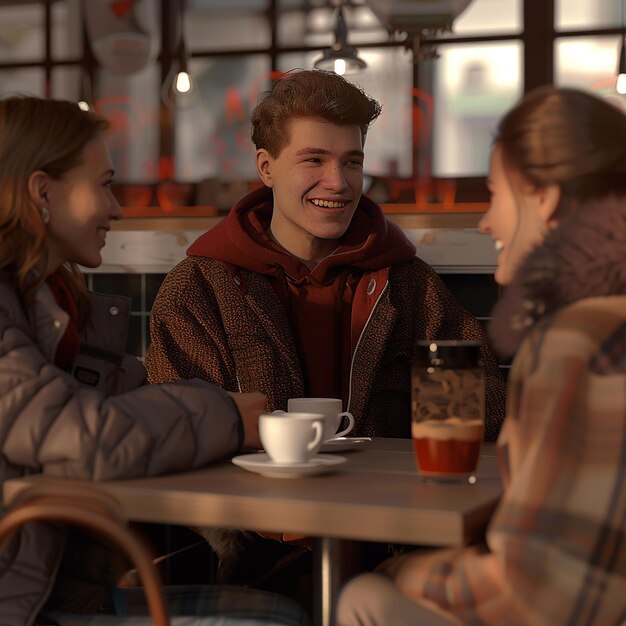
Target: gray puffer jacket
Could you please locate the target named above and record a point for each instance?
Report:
(99, 422)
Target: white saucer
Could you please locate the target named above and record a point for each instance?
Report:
(341, 444)
(260, 463)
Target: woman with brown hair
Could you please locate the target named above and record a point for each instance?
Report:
(555, 550)
(72, 404)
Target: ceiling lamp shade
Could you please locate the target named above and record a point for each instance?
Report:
(340, 58)
(416, 16)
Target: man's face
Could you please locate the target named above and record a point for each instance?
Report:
(317, 180)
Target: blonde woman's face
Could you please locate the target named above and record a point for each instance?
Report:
(517, 218)
(82, 207)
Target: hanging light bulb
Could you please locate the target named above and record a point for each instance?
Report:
(85, 99)
(341, 58)
(340, 66)
(179, 90)
(620, 85)
(183, 83)
(178, 87)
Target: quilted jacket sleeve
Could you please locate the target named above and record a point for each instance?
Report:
(50, 423)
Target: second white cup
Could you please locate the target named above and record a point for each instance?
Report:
(330, 408)
(292, 437)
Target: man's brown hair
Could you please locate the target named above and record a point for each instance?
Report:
(309, 94)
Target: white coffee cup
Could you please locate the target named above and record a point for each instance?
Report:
(330, 408)
(292, 437)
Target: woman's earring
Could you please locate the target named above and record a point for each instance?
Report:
(45, 214)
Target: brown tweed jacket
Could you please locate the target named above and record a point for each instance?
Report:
(226, 325)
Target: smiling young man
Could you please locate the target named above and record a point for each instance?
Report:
(305, 289)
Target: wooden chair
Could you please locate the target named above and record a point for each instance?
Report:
(89, 507)
(98, 512)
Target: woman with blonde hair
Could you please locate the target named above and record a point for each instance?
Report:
(555, 550)
(72, 404)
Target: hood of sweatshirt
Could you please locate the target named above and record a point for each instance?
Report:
(241, 239)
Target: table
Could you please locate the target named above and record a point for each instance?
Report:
(375, 496)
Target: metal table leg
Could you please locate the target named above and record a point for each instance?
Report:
(327, 579)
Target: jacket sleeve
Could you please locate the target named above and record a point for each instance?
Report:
(555, 553)
(52, 424)
(456, 322)
(187, 335)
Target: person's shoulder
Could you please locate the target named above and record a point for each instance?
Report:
(595, 317)
(412, 268)
(192, 268)
(417, 275)
(190, 276)
(592, 330)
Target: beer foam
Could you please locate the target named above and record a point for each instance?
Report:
(450, 428)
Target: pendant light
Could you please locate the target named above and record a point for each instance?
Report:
(340, 58)
(178, 87)
(620, 85)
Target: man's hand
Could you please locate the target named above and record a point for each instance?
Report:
(250, 406)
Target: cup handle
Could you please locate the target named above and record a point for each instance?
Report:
(346, 430)
(319, 433)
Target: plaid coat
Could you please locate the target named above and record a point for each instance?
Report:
(555, 553)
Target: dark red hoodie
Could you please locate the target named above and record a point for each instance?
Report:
(327, 306)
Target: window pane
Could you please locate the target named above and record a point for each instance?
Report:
(66, 83)
(22, 32)
(213, 132)
(26, 80)
(581, 14)
(473, 86)
(484, 17)
(131, 104)
(302, 22)
(388, 78)
(589, 63)
(67, 26)
(211, 25)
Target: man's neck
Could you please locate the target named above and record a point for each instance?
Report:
(310, 254)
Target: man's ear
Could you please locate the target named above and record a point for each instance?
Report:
(264, 167)
(549, 198)
(38, 188)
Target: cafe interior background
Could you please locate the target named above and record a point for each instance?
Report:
(182, 159)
